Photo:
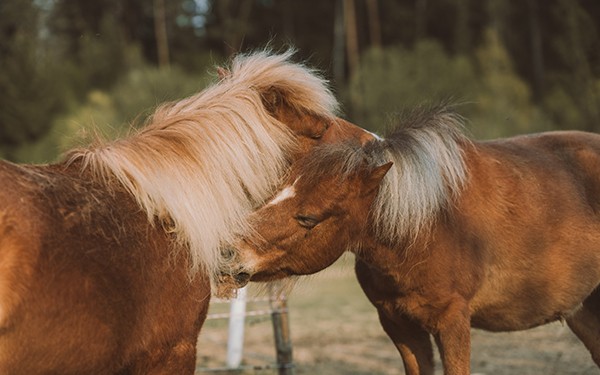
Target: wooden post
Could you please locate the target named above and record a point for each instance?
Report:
(281, 330)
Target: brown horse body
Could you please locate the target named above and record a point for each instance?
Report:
(107, 258)
(89, 286)
(520, 247)
(511, 241)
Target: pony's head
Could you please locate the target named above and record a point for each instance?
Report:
(322, 211)
(295, 95)
(330, 205)
(202, 164)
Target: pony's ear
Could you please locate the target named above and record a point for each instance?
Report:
(223, 73)
(374, 178)
(272, 99)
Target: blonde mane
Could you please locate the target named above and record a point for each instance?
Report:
(428, 172)
(202, 164)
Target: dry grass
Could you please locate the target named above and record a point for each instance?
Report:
(335, 330)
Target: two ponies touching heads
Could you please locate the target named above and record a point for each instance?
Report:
(107, 257)
(448, 233)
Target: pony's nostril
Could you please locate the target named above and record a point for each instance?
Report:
(242, 278)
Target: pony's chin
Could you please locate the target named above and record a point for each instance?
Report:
(228, 285)
(242, 279)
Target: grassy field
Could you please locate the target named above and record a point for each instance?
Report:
(335, 330)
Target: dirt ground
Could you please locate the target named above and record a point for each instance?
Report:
(334, 330)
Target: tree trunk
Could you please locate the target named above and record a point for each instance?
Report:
(160, 32)
(351, 36)
(420, 19)
(374, 24)
(537, 57)
(462, 32)
(339, 55)
(288, 19)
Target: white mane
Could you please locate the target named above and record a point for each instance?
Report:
(203, 163)
(428, 172)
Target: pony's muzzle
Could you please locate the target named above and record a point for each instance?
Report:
(232, 272)
(242, 278)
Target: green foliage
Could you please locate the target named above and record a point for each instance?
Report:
(502, 105)
(30, 94)
(495, 100)
(110, 114)
(102, 56)
(395, 78)
(92, 35)
(74, 56)
(562, 109)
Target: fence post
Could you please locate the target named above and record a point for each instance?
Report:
(235, 339)
(281, 330)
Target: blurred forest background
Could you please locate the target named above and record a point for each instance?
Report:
(67, 66)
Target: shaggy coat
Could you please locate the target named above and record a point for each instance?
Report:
(500, 235)
(107, 257)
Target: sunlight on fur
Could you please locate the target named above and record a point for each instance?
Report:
(428, 172)
(203, 163)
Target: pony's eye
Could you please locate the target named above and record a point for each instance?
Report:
(321, 132)
(307, 221)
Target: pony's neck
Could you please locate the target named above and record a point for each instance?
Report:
(200, 175)
(428, 172)
(418, 187)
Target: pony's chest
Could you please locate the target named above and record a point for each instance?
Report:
(394, 292)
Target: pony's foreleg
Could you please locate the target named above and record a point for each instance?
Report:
(453, 338)
(413, 343)
(585, 323)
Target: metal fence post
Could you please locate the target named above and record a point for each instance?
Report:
(281, 330)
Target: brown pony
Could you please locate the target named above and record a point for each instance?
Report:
(500, 235)
(107, 257)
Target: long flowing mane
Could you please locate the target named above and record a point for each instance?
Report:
(428, 170)
(200, 165)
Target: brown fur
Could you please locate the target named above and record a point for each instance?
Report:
(514, 246)
(94, 282)
(89, 285)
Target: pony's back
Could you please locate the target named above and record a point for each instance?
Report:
(77, 264)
